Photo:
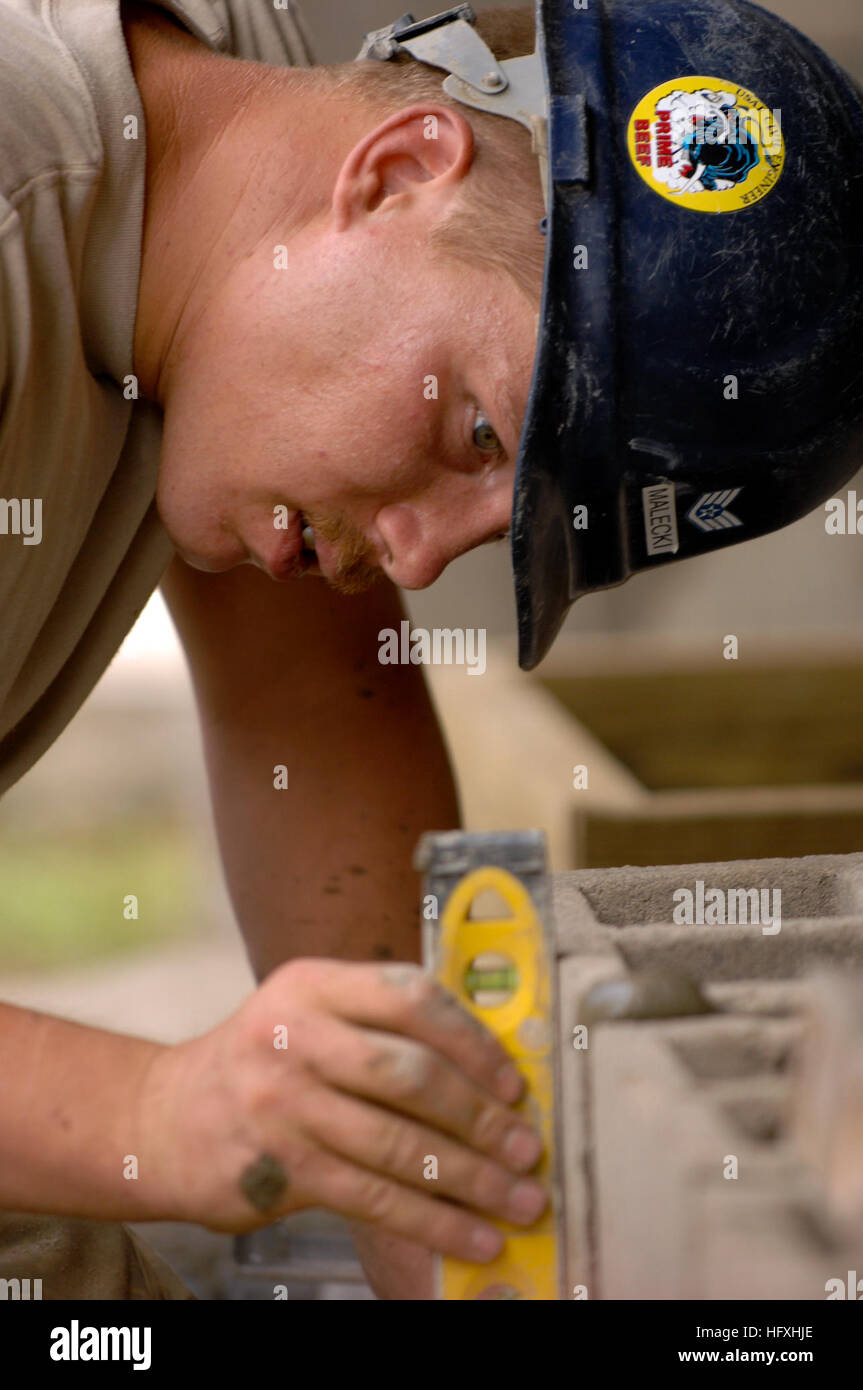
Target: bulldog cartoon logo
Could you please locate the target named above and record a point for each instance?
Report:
(706, 144)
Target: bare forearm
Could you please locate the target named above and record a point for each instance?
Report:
(322, 867)
(67, 1119)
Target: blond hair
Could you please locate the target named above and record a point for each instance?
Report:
(494, 224)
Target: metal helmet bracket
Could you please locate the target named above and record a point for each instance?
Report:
(514, 88)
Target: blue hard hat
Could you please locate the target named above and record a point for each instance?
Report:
(699, 373)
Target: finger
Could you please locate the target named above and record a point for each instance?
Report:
(330, 1181)
(411, 1078)
(405, 999)
(420, 1157)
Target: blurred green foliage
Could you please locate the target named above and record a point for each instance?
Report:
(62, 897)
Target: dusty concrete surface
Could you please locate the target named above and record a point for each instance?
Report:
(716, 1156)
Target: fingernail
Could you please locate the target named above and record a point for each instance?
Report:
(486, 1242)
(522, 1147)
(509, 1082)
(526, 1201)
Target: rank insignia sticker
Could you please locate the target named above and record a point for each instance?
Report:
(707, 144)
(711, 513)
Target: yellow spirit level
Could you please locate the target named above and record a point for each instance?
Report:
(485, 936)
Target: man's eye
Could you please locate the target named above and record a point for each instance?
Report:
(484, 436)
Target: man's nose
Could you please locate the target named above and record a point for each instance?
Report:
(413, 563)
(420, 544)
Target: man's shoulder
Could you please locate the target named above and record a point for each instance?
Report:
(46, 121)
(50, 114)
(255, 29)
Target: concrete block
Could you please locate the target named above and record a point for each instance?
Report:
(828, 1094)
(816, 886)
(723, 1047)
(757, 1105)
(578, 975)
(762, 998)
(765, 1236)
(739, 953)
(657, 1139)
(658, 1116)
(577, 929)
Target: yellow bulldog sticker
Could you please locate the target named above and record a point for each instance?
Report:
(707, 144)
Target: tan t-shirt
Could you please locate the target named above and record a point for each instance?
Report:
(81, 545)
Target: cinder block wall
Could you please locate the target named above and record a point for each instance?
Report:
(711, 1081)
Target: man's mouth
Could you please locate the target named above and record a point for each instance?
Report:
(308, 534)
(292, 551)
(338, 552)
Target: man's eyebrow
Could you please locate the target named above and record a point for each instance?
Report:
(507, 410)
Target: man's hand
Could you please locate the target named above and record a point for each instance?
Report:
(382, 1069)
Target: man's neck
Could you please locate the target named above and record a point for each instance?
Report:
(235, 150)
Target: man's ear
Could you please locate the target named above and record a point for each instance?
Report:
(413, 147)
